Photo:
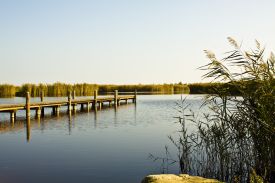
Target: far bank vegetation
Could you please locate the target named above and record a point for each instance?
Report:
(84, 89)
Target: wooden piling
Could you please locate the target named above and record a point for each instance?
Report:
(100, 105)
(70, 102)
(53, 110)
(74, 105)
(95, 100)
(38, 113)
(116, 98)
(28, 110)
(135, 97)
(42, 111)
(28, 129)
(12, 116)
(57, 110)
(88, 107)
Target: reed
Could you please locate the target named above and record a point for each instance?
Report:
(7, 91)
(84, 89)
(235, 140)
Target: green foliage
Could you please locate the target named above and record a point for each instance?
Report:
(158, 88)
(212, 88)
(56, 89)
(7, 91)
(84, 89)
(254, 178)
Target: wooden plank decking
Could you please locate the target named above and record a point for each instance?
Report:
(89, 103)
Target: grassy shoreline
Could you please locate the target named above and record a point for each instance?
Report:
(84, 89)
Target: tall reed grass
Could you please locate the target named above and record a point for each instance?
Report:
(235, 140)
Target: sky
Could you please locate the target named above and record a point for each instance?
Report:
(124, 41)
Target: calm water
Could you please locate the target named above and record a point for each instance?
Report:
(107, 146)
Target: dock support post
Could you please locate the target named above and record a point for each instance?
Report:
(110, 103)
(100, 105)
(70, 102)
(28, 110)
(135, 98)
(74, 108)
(74, 105)
(57, 110)
(38, 113)
(28, 129)
(82, 107)
(126, 101)
(42, 111)
(95, 100)
(54, 110)
(88, 106)
(115, 98)
(12, 116)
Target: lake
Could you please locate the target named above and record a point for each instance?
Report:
(107, 146)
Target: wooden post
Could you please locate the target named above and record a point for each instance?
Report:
(95, 99)
(38, 113)
(74, 105)
(88, 106)
(116, 97)
(82, 107)
(135, 98)
(53, 110)
(12, 116)
(28, 110)
(100, 105)
(42, 111)
(28, 129)
(126, 101)
(57, 110)
(70, 102)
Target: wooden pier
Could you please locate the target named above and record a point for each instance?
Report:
(94, 103)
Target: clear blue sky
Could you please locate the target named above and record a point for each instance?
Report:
(123, 41)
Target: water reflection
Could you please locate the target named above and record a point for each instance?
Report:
(95, 119)
(70, 123)
(115, 140)
(115, 116)
(28, 129)
(135, 113)
(38, 122)
(12, 122)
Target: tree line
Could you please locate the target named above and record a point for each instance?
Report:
(84, 89)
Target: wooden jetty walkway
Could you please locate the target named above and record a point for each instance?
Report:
(89, 103)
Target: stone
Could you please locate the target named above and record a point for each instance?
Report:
(171, 178)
